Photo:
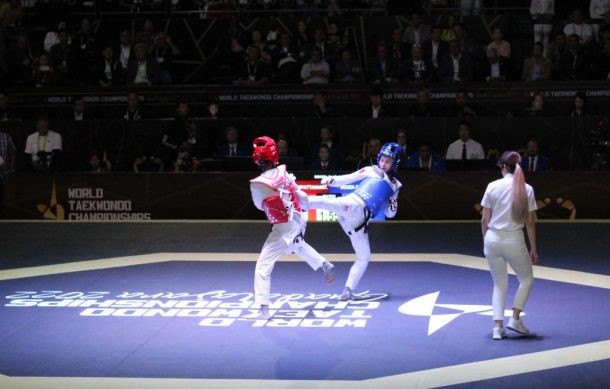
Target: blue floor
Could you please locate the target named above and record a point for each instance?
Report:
(312, 336)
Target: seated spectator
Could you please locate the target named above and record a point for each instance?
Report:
(22, 60)
(555, 52)
(377, 108)
(537, 106)
(601, 68)
(163, 51)
(98, 163)
(142, 70)
(285, 150)
(303, 38)
(383, 69)
(582, 30)
(85, 49)
(496, 68)
(464, 109)
(598, 9)
(52, 36)
(337, 37)
(8, 155)
(405, 150)
(316, 71)
(253, 71)
(62, 58)
(43, 147)
(146, 35)
(6, 111)
(134, 109)
(273, 34)
(502, 47)
(455, 67)
(532, 161)
(321, 108)
(347, 70)
(542, 12)
(327, 135)
(448, 35)
(259, 42)
(421, 108)
(465, 147)
(373, 147)
(418, 69)
(470, 7)
(77, 113)
(579, 105)
(536, 68)
(417, 32)
(231, 146)
(425, 159)
(323, 162)
(286, 61)
(125, 49)
(108, 70)
(44, 74)
(467, 44)
(575, 63)
(212, 110)
(180, 136)
(435, 48)
(328, 52)
(398, 49)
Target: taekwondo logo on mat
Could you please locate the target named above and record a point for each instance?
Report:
(426, 304)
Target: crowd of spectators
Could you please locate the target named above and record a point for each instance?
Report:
(563, 48)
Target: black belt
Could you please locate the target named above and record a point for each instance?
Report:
(365, 223)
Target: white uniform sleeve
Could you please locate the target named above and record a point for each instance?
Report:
(355, 176)
(531, 199)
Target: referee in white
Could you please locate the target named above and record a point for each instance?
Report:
(508, 204)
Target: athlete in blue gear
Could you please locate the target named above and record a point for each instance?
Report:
(376, 192)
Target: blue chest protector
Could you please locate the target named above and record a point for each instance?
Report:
(375, 193)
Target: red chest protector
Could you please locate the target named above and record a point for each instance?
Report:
(279, 207)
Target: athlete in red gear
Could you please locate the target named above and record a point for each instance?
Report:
(276, 193)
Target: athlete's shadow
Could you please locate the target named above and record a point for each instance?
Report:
(523, 337)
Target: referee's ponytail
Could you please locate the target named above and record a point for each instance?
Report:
(519, 206)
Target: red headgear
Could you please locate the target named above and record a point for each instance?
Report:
(264, 150)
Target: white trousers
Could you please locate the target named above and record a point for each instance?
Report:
(500, 248)
(284, 238)
(351, 212)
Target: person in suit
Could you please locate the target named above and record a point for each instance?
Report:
(532, 161)
(435, 48)
(324, 162)
(456, 66)
(382, 68)
(536, 68)
(425, 159)
(231, 147)
(327, 138)
(405, 149)
(418, 32)
(377, 108)
(496, 68)
(142, 70)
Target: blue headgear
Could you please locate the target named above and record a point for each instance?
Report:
(390, 150)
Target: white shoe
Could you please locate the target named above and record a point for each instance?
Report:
(498, 333)
(349, 295)
(517, 326)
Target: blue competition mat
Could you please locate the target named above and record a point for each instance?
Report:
(184, 319)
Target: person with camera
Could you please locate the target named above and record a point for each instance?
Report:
(43, 147)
